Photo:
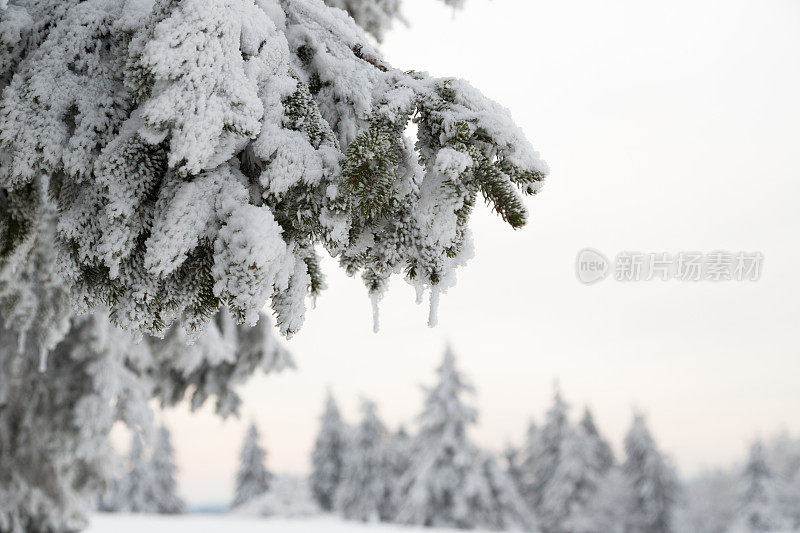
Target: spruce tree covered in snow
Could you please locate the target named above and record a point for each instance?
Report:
(65, 381)
(507, 510)
(565, 505)
(546, 449)
(527, 461)
(759, 509)
(55, 456)
(763, 492)
(603, 457)
(783, 457)
(328, 456)
(136, 486)
(149, 484)
(399, 450)
(167, 159)
(252, 479)
(365, 490)
(448, 483)
(195, 153)
(652, 481)
(566, 473)
(709, 503)
(162, 465)
(513, 459)
(562, 470)
(607, 509)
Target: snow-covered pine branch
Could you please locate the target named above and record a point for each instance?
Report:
(166, 159)
(224, 356)
(194, 153)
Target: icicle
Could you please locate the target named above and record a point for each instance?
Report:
(420, 290)
(42, 360)
(21, 337)
(375, 298)
(433, 314)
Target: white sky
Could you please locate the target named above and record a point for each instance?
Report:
(668, 126)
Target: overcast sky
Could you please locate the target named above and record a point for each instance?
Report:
(668, 126)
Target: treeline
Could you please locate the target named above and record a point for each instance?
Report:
(564, 478)
(148, 483)
(763, 494)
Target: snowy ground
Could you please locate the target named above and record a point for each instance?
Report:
(122, 523)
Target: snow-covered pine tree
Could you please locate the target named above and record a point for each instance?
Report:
(328, 456)
(572, 501)
(195, 152)
(563, 468)
(54, 450)
(447, 484)
(601, 450)
(507, 510)
(607, 510)
(149, 484)
(446, 474)
(97, 375)
(527, 461)
(791, 499)
(252, 479)
(565, 503)
(366, 484)
(512, 458)
(136, 486)
(760, 508)
(185, 155)
(653, 484)
(162, 465)
(399, 450)
(709, 503)
(401, 447)
(783, 455)
(546, 449)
